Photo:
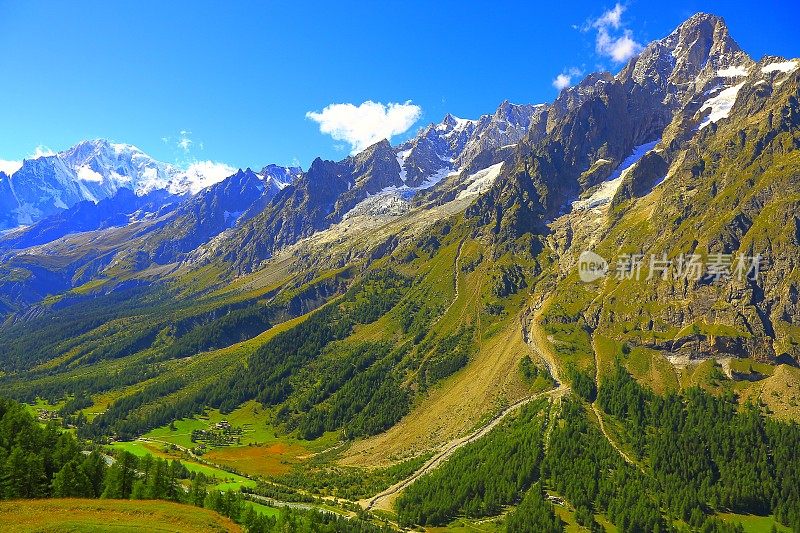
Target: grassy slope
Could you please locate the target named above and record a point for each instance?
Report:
(489, 381)
(109, 515)
(262, 452)
(225, 480)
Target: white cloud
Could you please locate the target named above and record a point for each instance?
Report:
(363, 125)
(9, 167)
(612, 17)
(619, 47)
(202, 174)
(41, 151)
(184, 143)
(87, 174)
(564, 80)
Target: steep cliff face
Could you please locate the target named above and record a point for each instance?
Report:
(725, 189)
(592, 127)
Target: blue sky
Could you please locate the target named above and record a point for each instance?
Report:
(188, 81)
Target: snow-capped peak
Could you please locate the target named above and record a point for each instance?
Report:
(94, 170)
(101, 168)
(281, 177)
(451, 124)
(105, 167)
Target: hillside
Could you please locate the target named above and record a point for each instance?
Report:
(109, 515)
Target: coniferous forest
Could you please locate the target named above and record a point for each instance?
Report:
(696, 454)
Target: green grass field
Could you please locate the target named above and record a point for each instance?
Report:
(109, 515)
(225, 480)
(753, 523)
(251, 417)
(261, 452)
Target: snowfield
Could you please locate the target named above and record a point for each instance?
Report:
(608, 188)
(720, 105)
(732, 72)
(783, 66)
(480, 182)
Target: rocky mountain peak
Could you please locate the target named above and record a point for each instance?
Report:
(382, 148)
(280, 177)
(449, 120)
(687, 61)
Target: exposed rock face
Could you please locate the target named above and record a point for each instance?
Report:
(730, 189)
(593, 126)
(650, 171)
(378, 180)
(686, 62)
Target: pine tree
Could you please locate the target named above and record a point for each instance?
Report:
(94, 468)
(197, 492)
(14, 477)
(120, 478)
(71, 482)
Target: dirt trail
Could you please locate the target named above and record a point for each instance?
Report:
(537, 339)
(443, 454)
(611, 441)
(534, 340)
(599, 415)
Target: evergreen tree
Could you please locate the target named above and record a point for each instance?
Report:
(71, 482)
(197, 491)
(94, 468)
(534, 515)
(120, 478)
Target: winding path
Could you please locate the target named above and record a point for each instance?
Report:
(599, 415)
(451, 447)
(611, 441)
(535, 337)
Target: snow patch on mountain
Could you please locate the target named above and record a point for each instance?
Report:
(434, 178)
(732, 72)
(394, 200)
(720, 105)
(480, 182)
(780, 66)
(453, 126)
(280, 177)
(402, 155)
(198, 176)
(605, 193)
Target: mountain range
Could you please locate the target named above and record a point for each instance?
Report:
(407, 298)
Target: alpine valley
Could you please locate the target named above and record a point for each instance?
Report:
(405, 338)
